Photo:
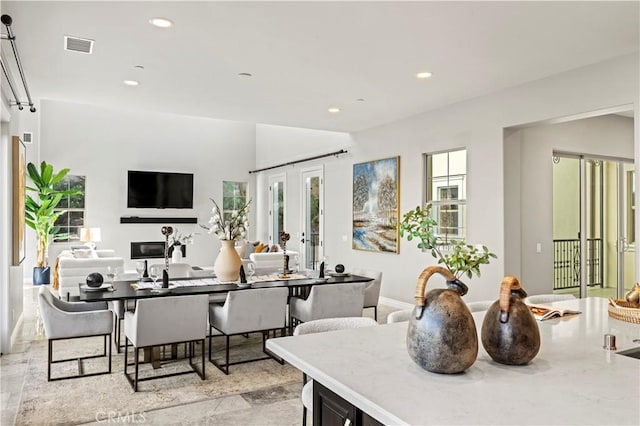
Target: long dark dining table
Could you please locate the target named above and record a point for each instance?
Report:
(122, 290)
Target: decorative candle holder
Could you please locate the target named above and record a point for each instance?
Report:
(284, 237)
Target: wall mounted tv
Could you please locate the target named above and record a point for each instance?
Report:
(159, 190)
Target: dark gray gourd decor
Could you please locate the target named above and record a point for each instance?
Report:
(510, 334)
(441, 336)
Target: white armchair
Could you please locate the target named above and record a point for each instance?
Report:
(163, 320)
(248, 311)
(63, 320)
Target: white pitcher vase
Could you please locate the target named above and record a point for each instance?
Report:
(227, 265)
(176, 256)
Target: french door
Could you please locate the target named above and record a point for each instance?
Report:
(593, 226)
(312, 209)
(277, 203)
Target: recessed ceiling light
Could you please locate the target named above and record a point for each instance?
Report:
(245, 74)
(360, 100)
(140, 67)
(161, 22)
(424, 74)
(131, 82)
(334, 110)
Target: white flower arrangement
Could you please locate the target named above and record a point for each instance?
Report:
(178, 240)
(228, 229)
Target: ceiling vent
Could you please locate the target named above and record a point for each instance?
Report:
(27, 137)
(77, 44)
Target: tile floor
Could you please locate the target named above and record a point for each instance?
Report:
(277, 405)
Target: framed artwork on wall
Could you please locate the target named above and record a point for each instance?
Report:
(375, 213)
(18, 181)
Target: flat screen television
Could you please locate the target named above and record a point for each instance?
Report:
(159, 190)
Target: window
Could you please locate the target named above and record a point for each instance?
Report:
(70, 222)
(446, 175)
(234, 196)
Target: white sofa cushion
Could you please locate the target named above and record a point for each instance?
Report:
(72, 271)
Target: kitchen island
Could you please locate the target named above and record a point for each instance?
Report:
(572, 381)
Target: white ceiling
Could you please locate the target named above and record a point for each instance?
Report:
(308, 56)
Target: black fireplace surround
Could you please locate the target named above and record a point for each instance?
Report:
(152, 250)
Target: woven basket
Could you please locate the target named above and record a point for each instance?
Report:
(624, 311)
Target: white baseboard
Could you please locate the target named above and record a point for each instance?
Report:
(395, 303)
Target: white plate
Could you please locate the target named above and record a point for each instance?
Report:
(160, 290)
(103, 287)
(339, 274)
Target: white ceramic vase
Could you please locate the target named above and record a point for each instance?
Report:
(227, 265)
(176, 256)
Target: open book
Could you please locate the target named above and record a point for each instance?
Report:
(542, 313)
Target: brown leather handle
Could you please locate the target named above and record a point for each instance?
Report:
(508, 284)
(421, 285)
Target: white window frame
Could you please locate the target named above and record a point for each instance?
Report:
(434, 185)
(73, 237)
(282, 177)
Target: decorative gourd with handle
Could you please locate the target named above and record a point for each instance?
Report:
(510, 334)
(441, 336)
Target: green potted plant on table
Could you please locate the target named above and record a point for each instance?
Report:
(40, 213)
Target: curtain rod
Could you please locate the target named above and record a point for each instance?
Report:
(290, 163)
(7, 21)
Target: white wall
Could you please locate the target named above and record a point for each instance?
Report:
(11, 289)
(104, 143)
(608, 135)
(479, 125)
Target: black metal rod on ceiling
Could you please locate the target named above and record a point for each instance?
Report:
(7, 21)
(290, 163)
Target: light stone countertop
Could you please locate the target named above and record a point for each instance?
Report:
(572, 380)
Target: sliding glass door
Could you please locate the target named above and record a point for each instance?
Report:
(593, 226)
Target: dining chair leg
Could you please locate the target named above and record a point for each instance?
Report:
(135, 381)
(105, 342)
(126, 361)
(227, 357)
(49, 359)
(202, 352)
(210, 342)
(304, 416)
(375, 313)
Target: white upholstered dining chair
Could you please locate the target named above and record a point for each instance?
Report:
(165, 320)
(320, 326)
(248, 311)
(72, 320)
(548, 298)
(371, 289)
(328, 301)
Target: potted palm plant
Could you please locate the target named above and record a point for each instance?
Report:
(40, 213)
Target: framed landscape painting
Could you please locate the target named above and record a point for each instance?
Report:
(376, 196)
(19, 176)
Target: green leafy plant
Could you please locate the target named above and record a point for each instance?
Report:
(460, 258)
(39, 209)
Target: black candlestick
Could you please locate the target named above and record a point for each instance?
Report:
(145, 274)
(243, 276)
(165, 279)
(321, 270)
